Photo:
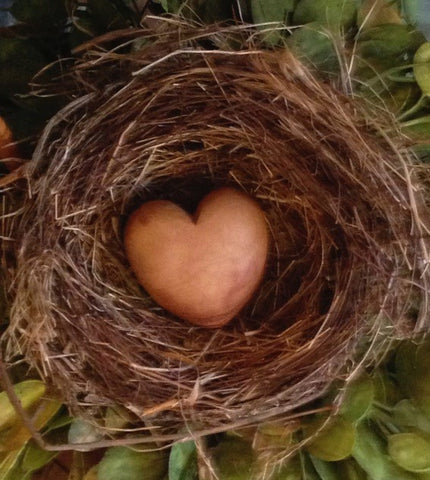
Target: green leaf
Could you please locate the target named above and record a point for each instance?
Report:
(410, 451)
(271, 10)
(41, 13)
(413, 373)
(309, 472)
(28, 392)
(8, 462)
(371, 454)
(292, 470)
(331, 13)
(372, 13)
(423, 17)
(422, 67)
(418, 128)
(183, 462)
(423, 476)
(273, 434)
(417, 12)
(391, 44)
(122, 463)
(326, 470)
(334, 438)
(171, 6)
(350, 470)
(405, 414)
(410, 10)
(18, 435)
(422, 152)
(34, 458)
(358, 398)
(314, 46)
(267, 11)
(234, 459)
(60, 421)
(115, 418)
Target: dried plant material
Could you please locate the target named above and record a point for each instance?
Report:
(182, 115)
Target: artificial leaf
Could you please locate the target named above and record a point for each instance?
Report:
(410, 10)
(377, 12)
(234, 459)
(8, 462)
(418, 128)
(274, 434)
(34, 457)
(116, 418)
(122, 463)
(406, 415)
(183, 461)
(309, 472)
(28, 393)
(28, 459)
(410, 451)
(370, 453)
(272, 11)
(422, 67)
(349, 469)
(325, 470)
(386, 391)
(60, 421)
(331, 13)
(314, 46)
(400, 97)
(358, 398)
(422, 151)
(417, 12)
(292, 470)
(334, 438)
(18, 435)
(390, 44)
(171, 6)
(393, 94)
(413, 362)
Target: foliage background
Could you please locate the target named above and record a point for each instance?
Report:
(390, 401)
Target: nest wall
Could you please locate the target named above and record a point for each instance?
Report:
(181, 115)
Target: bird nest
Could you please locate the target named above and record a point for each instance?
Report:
(188, 111)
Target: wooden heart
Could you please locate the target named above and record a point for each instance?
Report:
(204, 267)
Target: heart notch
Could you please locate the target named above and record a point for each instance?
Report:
(204, 267)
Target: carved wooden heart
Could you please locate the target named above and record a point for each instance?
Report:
(203, 267)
